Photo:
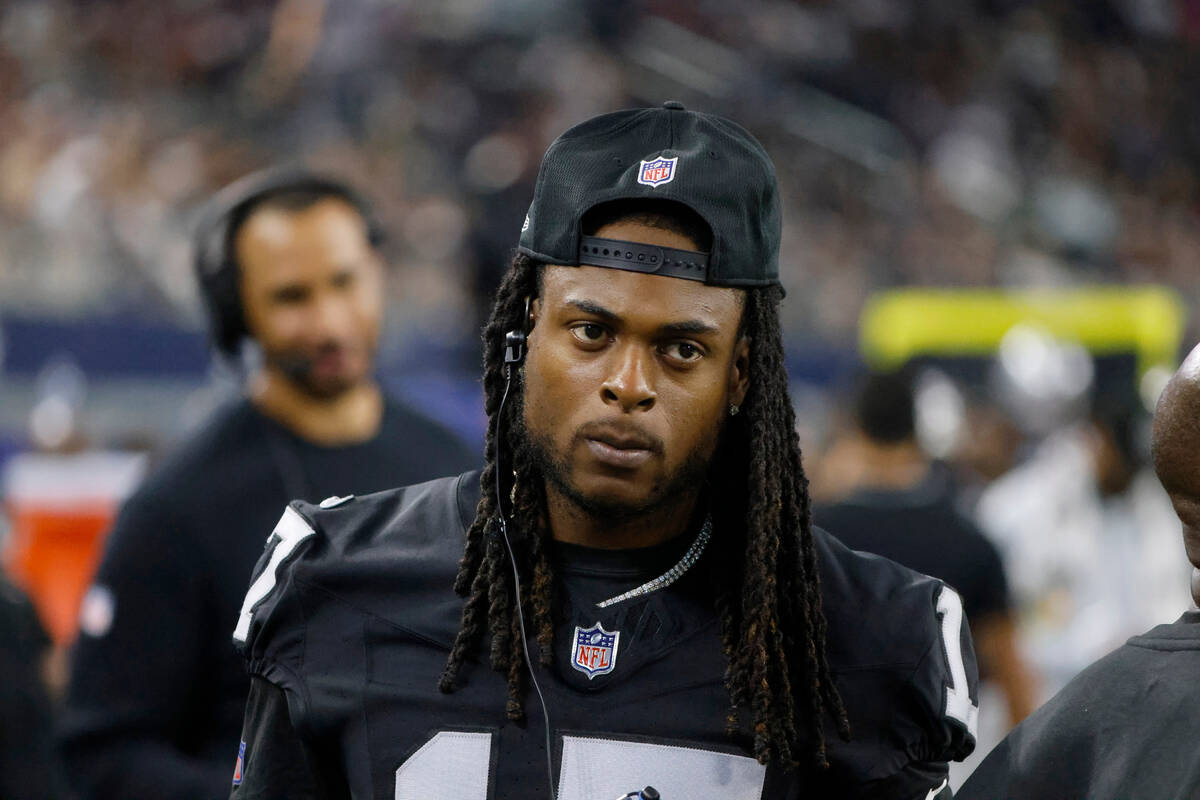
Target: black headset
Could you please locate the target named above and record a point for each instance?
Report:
(215, 264)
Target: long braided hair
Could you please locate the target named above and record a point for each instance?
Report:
(769, 601)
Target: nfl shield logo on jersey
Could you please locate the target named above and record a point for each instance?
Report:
(241, 763)
(595, 650)
(657, 171)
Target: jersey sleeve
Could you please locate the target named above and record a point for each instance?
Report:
(272, 761)
(270, 624)
(285, 751)
(944, 689)
(902, 657)
(948, 681)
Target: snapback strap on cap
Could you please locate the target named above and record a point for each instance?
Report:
(637, 257)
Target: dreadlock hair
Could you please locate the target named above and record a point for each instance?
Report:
(769, 603)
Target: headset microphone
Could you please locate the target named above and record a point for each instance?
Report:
(514, 351)
(296, 366)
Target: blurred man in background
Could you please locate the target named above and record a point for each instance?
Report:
(1125, 727)
(899, 506)
(1088, 536)
(288, 265)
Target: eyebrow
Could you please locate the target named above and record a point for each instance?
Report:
(692, 326)
(288, 290)
(595, 310)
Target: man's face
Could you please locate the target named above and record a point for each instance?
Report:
(629, 378)
(312, 289)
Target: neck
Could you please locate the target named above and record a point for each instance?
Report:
(352, 416)
(892, 466)
(571, 524)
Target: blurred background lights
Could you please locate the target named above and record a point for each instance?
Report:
(940, 413)
(495, 163)
(60, 391)
(1042, 378)
(1150, 388)
(52, 423)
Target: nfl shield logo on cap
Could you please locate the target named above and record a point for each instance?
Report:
(658, 171)
(595, 650)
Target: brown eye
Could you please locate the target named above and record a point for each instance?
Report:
(685, 352)
(589, 333)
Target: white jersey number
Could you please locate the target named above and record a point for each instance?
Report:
(292, 529)
(457, 765)
(958, 697)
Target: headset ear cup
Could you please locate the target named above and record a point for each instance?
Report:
(228, 317)
(218, 279)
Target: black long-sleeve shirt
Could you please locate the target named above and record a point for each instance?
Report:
(27, 769)
(155, 699)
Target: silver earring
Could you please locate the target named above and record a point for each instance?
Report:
(733, 410)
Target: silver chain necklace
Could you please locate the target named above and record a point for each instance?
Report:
(673, 574)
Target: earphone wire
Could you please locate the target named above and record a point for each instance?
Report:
(512, 560)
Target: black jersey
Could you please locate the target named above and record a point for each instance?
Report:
(1123, 729)
(351, 615)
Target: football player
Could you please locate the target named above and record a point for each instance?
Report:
(1123, 727)
(630, 599)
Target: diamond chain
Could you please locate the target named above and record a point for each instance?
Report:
(673, 574)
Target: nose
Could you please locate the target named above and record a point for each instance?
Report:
(329, 316)
(629, 385)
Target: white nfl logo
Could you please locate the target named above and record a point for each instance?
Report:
(657, 171)
(595, 650)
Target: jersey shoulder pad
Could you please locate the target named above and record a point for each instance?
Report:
(901, 652)
(339, 548)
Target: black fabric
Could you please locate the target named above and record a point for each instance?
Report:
(287, 767)
(27, 768)
(154, 706)
(722, 173)
(1123, 729)
(360, 619)
(922, 529)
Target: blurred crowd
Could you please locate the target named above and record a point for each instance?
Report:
(930, 143)
(996, 143)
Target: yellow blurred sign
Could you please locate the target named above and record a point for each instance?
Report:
(899, 325)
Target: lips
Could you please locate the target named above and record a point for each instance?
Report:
(621, 449)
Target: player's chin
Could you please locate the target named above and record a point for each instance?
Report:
(615, 488)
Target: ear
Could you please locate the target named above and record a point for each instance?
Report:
(739, 371)
(533, 308)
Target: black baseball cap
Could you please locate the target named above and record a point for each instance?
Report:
(708, 163)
